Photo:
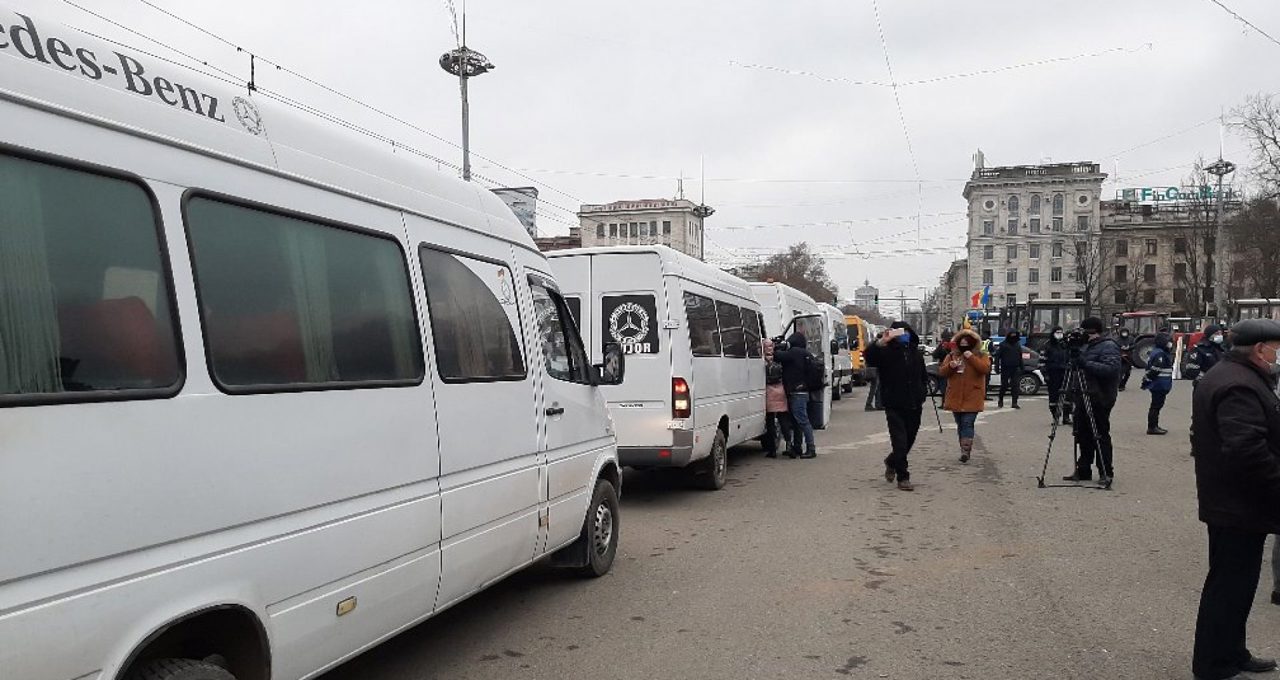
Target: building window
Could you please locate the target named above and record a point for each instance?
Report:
(1082, 223)
(666, 227)
(1035, 225)
(1055, 296)
(1055, 275)
(1033, 275)
(988, 227)
(1035, 204)
(1081, 273)
(1122, 248)
(635, 230)
(1079, 295)
(1011, 252)
(1082, 248)
(1122, 273)
(1011, 276)
(600, 231)
(1180, 271)
(1153, 246)
(1149, 273)
(1180, 246)
(1013, 205)
(1013, 227)
(1122, 297)
(1034, 249)
(644, 230)
(988, 252)
(1057, 249)
(1057, 224)
(988, 277)
(1179, 296)
(1208, 293)
(1058, 204)
(613, 230)
(653, 229)
(1148, 297)
(1032, 297)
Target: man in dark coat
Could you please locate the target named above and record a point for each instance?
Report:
(1099, 362)
(1007, 363)
(1207, 352)
(1125, 340)
(1235, 438)
(794, 361)
(903, 380)
(1055, 358)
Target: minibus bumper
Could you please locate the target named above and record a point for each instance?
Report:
(679, 454)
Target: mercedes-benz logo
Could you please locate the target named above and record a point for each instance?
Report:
(248, 115)
(629, 323)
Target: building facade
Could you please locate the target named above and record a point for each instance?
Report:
(1033, 230)
(866, 295)
(549, 243)
(677, 223)
(954, 293)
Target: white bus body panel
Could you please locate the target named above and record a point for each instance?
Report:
(842, 361)
(781, 304)
(118, 518)
(724, 389)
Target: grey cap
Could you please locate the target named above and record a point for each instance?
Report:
(1254, 331)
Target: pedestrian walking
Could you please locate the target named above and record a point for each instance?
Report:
(1158, 380)
(1235, 439)
(1099, 363)
(1055, 359)
(965, 370)
(873, 387)
(777, 418)
(903, 391)
(1008, 365)
(795, 364)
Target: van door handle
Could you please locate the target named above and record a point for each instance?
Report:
(555, 410)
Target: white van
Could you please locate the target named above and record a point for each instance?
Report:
(787, 310)
(269, 394)
(840, 358)
(695, 367)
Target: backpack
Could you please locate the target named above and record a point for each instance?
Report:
(815, 373)
(773, 373)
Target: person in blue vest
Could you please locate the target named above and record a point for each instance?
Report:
(1158, 380)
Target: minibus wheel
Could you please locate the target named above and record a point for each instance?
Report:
(180, 669)
(600, 530)
(715, 469)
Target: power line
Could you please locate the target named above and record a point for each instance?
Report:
(902, 118)
(1245, 21)
(745, 180)
(832, 223)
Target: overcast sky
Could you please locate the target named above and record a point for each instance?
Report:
(601, 100)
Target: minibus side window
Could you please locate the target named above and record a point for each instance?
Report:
(731, 331)
(473, 318)
(704, 332)
(575, 308)
(751, 324)
(562, 349)
(86, 309)
(291, 304)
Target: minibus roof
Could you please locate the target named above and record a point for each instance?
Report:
(674, 263)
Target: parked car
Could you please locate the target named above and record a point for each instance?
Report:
(1029, 383)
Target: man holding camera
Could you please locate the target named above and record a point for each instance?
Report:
(1235, 438)
(903, 391)
(1099, 361)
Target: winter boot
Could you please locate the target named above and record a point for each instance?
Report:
(966, 449)
(1153, 423)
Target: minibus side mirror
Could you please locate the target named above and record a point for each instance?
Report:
(835, 346)
(614, 367)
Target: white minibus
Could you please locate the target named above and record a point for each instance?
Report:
(840, 358)
(695, 366)
(270, 391)
(787, 310)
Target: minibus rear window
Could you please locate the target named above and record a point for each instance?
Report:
(85, 301)
(289, 303)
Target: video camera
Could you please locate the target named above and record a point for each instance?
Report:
(780, 344)
(1076, 339)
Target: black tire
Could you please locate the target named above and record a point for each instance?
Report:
(600, 530)
(180, 669)
(837, 393)
(714, 471)
(848, 387)
(1141, 352)
(1028, 384)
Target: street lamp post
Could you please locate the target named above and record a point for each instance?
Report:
(1219, 168)
(465, 63)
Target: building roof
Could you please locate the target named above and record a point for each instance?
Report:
(639, 205)
(1081, 171)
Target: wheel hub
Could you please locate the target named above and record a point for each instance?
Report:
(602, 529)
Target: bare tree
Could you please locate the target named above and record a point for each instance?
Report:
(1131, 280)
(1259, 119)
(1193, 240)
(1257, 250)
(1092, 277)
(798, 267)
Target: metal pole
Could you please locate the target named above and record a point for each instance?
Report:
(466, 128)
(1219, 169)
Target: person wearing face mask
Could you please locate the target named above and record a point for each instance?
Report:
(1055, 359)
(1207, 352)
(1099, 362)
(1235, 439)
(1158, 381)
(965, 370)
(903, 391)
(1124, 338)
(1007, 358)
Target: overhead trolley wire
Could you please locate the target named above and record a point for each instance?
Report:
(1245, 21)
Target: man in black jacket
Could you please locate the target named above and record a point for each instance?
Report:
(1055, 358)
(1099, 361)
(903, 379)
(1007, 363)
(795, 361)
(1235, 438)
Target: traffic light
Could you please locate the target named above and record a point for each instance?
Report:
(877, 299)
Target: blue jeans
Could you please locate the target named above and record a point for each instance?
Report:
(799, 404)
(965, 423)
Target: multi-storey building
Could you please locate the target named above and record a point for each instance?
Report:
(677, 223)
(866, 295)
(954, 293)
(1027, 224)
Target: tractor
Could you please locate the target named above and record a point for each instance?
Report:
(1142, 327)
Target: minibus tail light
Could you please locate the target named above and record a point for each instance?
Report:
(681, 400)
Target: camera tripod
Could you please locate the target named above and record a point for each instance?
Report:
(1072, 386)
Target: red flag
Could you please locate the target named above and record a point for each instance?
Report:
(975, 299)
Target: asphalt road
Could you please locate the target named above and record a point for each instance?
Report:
(821, 569)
